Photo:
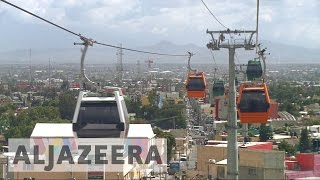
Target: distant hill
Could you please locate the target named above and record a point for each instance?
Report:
(279, 53)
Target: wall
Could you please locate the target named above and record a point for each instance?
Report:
(317, 164)
(50, 175)
(253, 164)
(247, 172)
(273, 111)
(204, 153)
(306, 161)
(266, 146)
(267, 164)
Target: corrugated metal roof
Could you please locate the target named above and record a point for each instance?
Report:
(140, 131)
(52, 130)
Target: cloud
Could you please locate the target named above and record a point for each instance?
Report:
(292, 21)
(159, 30)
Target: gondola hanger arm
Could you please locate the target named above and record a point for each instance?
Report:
(189, 66)
(84, 79)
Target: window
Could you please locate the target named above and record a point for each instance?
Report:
(253, 101)
(99, 112)
(252, 171)
(195, 84)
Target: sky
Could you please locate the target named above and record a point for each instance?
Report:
(136, 23)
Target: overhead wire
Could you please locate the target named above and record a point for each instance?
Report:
(213, 15)
(95, 42)
(139, 51)
(215, 63)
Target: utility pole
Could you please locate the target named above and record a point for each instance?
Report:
(30, 71)
(49, 73)
(221, 42)
(120, 65)
(138, 70)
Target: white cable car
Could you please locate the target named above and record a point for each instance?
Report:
(101, 116)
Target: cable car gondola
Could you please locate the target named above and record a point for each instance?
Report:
(254, 70)
(196, 85)
(253, 104)
(100, 116)
(218, 88)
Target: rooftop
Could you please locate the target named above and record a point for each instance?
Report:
(140, 131)
(52, 130)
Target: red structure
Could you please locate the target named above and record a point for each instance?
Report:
(217, 108)
(263, 146)
(306, 161)
(303, 166)
(273, 110)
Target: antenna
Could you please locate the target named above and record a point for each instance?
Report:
(138, 69)
(30, 70)
(49, 73)
(257, 28)
(120, 65)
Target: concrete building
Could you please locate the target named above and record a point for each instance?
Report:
(64, 130)
(257, 160)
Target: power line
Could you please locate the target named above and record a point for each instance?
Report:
(79, 35)
(140, 51)
(213, 15)
(214, 59)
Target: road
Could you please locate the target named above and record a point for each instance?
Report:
(192, 158)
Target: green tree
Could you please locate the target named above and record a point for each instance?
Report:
(288, 148)
(21, 126)
(265, 133)
(134, 106)
(67, 105)
(153, 98)
(54, 103)
(171, 142)
(65, 85)
(304, 143)
(36, 102)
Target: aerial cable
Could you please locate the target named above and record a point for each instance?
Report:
(214, 60)
(140, 51)
(213, 15)
(95, 42)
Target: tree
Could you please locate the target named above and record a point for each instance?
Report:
(288, 148)
(134, 106)
(265, 133)
(67, 105)
(171, 142)
(54, 103)
(36, 102)
(21, 126)
(65, 85)
(304, 143)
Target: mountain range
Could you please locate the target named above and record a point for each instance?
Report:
(279, 53)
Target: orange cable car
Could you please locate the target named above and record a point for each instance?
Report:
(253, 104)
(196, 85)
